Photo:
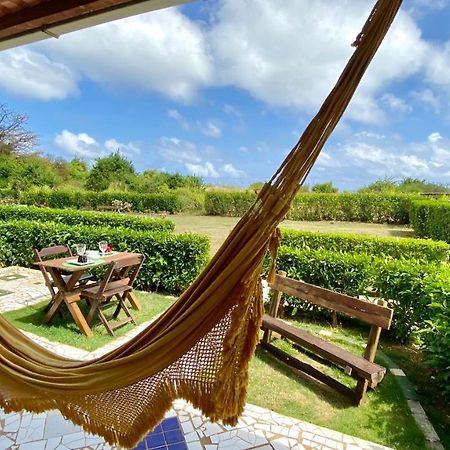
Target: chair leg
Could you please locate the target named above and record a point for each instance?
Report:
(125, 308)
(95, 307)
(105, 322)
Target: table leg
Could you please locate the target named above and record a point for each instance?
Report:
(57, 302)
(78, 317)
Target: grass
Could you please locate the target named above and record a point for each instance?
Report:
(66, 331)
(217, 228)
(384, 418)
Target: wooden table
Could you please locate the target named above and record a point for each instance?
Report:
(69, 293)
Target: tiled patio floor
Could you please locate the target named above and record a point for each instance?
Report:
(184, 426)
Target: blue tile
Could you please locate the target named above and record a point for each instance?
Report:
(178, 446)
(158, 429)
(141, 446)
(173, 436)
(170, 423)
(155, 440)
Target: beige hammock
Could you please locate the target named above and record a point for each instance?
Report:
(200, 348)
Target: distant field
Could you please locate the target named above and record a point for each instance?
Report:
(218, 228)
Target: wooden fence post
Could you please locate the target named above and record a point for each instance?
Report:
(274, 306)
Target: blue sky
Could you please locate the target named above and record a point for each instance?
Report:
(223, 89)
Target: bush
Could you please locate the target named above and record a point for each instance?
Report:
(402, 283)
(172, 261)
(170, 202)
(341, 272)
(233, 204)
(431, 218)
(375, 246)
(436, 334)
(75, 217)
(352, 207)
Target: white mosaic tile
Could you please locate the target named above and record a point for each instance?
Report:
(5, 442)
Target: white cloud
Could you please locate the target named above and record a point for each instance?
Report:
(212, 129)
(230, 170)
(206, 170)
(395, 103)
(179, 150)
(85, 146)
(428, 98)
(31, 74)
(434, 137)
(365, 157)
(162, 51)
(178, 117)
(127, 149)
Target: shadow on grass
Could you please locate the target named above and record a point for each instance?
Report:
(324, 392)
(384, 417)
(402, 233)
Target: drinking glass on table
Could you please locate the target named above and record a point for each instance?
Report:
(102, 246)
(81, 249)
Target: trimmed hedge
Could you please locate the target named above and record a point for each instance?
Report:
(76, 217)
(436, 335)
(431, 218)
(172, 261)
(170, 202)
(400, 282)
(352, 207)
(375, 246)
(233, 204)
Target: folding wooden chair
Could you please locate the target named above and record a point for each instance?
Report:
(117, 282)
(52, 252)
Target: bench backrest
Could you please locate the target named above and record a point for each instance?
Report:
(380, 316)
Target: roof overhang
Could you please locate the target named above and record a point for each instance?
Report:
(26, 21)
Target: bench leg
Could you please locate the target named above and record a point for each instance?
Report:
(360, 391)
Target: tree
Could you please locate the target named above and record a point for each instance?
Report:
(114, 167)
(14, 138)
(326, 188)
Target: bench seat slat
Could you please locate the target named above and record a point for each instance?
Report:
(365, 369)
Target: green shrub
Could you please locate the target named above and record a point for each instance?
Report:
(76, 217)
(375, 246)
(436, 334)
(401, 282)
(431, 218)
(360, 207)
(342, 272)
(352, 207)
(233, 204)
(172, 261)
(169, 202)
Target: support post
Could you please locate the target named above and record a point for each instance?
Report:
(274, 306)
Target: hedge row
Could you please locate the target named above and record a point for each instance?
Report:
(76, 217)
(353, 207)
(172, 261)
(376, 246)
(170, 202)
(401, 282)
(431, 218)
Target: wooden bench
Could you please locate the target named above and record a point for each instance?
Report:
(361, 368)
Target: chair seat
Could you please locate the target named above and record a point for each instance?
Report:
(112, 288)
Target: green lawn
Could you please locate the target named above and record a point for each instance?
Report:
(66, 331)
(217, 228)
(384, 418)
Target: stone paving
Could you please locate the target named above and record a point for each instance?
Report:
(258, 428)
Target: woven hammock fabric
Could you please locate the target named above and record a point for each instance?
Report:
(199, 348)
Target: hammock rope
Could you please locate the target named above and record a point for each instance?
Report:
(199, 349)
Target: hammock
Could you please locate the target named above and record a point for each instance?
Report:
(199, 349)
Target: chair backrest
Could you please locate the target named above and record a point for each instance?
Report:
(126, 268)
(55, 250)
